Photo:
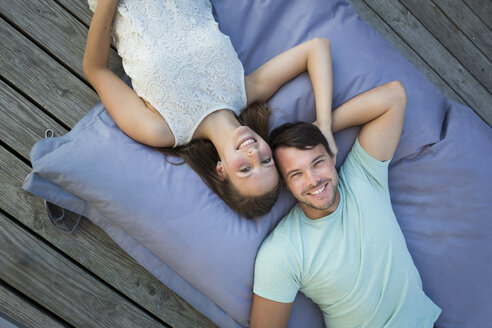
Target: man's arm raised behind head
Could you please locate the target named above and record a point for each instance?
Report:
(381, 112)
(266, 313)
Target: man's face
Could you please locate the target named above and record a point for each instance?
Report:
(311, 177)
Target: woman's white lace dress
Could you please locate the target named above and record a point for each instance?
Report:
(178, 60)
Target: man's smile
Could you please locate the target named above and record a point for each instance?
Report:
(319, 191)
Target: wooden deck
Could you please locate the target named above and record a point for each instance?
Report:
(49, 279)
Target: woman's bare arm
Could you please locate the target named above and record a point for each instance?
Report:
(313, 56)
(96, 54)
(127, 109)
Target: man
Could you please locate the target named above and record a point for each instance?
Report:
(341, 244)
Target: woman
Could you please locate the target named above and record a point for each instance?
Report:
(190, 89)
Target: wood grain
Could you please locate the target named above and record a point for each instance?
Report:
(93, 249)
(25, 312)
(368, 15)
(471, 26)
(79, 9)
(52, 27)
(452, 38)
(21, 123)
(483, 9)
(435, 55)
(41, 273)
(47, 82)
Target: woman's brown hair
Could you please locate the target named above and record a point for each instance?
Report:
(202, 157)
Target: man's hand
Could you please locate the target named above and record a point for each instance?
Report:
(326, 130)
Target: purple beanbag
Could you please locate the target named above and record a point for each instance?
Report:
(171, 223)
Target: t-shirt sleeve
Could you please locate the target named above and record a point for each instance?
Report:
(276, 271)
(360, 165)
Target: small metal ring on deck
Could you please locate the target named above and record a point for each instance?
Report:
(49, 133)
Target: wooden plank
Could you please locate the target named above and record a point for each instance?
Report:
(48, 83)
(368, 15)
(78, 8)
(435, 55)
(93, 249)
(39, 272)
(451, 37)
(51, 26)
(463, 17)
(22, 123)
(482, 9)
(25, 312)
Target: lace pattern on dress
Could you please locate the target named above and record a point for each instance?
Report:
(178, 60)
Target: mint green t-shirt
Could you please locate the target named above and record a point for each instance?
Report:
(354, 263)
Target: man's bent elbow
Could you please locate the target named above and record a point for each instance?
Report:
(399, 93)
(398, 96)
(321, 43)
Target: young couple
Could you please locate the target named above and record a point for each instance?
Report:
(341, 245)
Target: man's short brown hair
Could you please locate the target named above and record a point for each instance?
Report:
(300, 135)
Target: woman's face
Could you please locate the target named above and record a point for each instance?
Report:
(247, 161)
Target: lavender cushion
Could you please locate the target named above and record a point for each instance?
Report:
(171, 223)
